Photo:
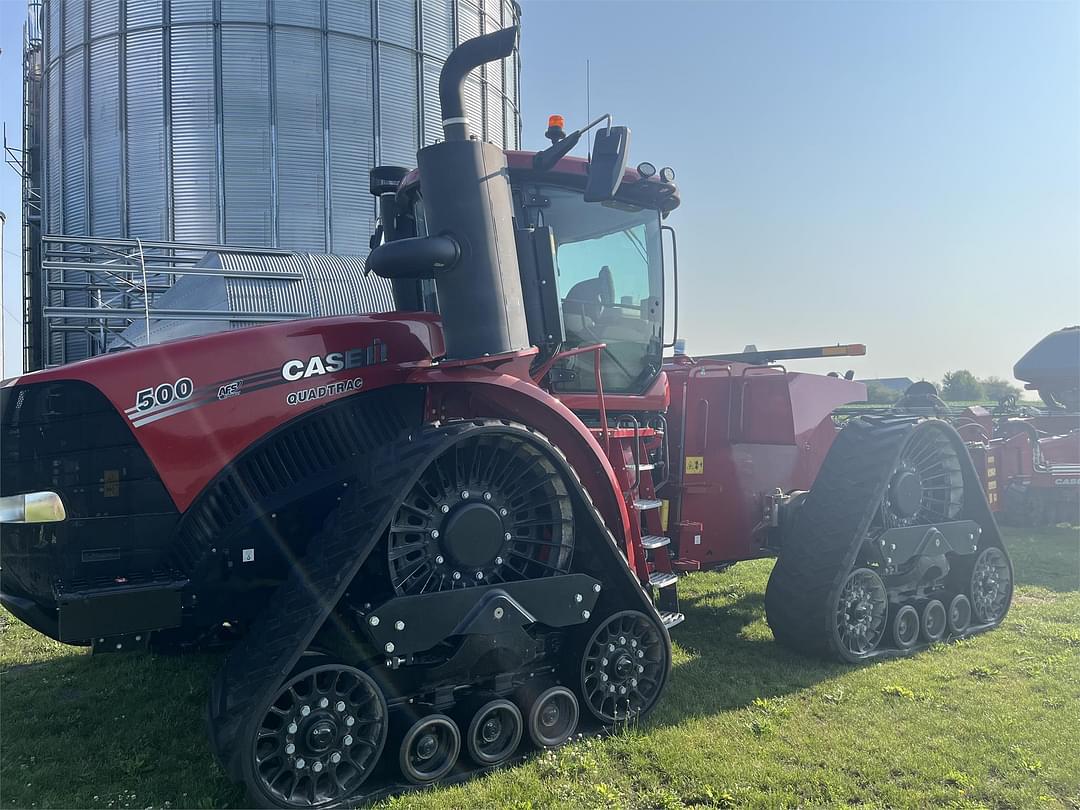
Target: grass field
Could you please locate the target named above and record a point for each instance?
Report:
(989, 722)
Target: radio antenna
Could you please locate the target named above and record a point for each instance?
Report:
(588, 107)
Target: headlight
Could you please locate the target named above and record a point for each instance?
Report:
(33, 507)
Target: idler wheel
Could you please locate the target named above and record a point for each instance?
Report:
(934, 621)
(553, 718)
(991, 585)
(959, 614)
(429, 749)
(861, 613)
(317, 740)
(494, 732)
(905, 627)
(624, 667)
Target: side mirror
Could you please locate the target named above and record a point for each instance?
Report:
(610, 152)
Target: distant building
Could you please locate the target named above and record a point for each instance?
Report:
(898, 384)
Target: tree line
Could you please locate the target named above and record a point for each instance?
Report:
(956, 386)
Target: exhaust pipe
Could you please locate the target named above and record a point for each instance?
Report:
(466, 57)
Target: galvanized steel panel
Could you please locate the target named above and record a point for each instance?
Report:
(147, 211)
(106, 177)
(298, 101)
(141, 13)
(352, 144)
(244, 11)
(247, 157)
(349, 17)
(191, 10)
(297, 12)
(399, 115)
(74, 13)
(397, 22)
(104, 17)
(73, 161)
(194, 135)
(54, 199)
(53, 29)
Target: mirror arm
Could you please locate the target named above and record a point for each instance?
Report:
(545, 161)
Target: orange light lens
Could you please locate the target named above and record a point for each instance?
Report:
(556, 121)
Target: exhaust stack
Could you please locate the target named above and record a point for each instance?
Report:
(471, 250)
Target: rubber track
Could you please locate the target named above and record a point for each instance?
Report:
(257, 666)
(830, 527)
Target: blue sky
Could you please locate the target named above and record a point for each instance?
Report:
(906, 175)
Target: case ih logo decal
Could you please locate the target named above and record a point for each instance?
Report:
(334, 362)
(1066, 482)
(170, 398)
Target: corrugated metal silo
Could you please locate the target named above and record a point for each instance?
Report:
(249, 122)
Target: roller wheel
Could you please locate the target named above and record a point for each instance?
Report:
(991, 585)
(860, 613)
(553, 717)
(492, 508)
(959, 614)
(318, 739)
(429, 749)
(624, 667)
(494, 732)
(934, 621)
(905, 627)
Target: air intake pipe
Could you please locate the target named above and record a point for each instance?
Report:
(470, 251)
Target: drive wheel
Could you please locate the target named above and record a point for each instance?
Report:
(991, 585)
(624, 667)
(934, 621)
(492, 508)
(318, 740)
(553, 717)
(860, 613)
(905, 627)
(429, 749)
(494, 732)
(959, 614)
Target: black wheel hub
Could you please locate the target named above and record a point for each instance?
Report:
(320, 738)
(491, 729)
(905, 493)
(860, 612)
(427, 746)
(490, 509)
(623, 668)
(474, 535)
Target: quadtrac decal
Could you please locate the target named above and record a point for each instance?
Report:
(169, 398)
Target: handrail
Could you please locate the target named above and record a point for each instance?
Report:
(597, 349)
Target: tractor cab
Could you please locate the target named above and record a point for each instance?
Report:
(592, 272)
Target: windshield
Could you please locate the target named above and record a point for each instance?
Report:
(610, 278)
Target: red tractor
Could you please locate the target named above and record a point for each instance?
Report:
(458, 525)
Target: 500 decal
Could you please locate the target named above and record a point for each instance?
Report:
(163, 394)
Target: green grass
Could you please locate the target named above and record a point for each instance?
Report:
(989, 722)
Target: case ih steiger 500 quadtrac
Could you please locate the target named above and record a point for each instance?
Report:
(435, 533)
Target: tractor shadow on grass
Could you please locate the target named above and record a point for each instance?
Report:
(733, 660)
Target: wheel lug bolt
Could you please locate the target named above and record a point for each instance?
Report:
(292, 728)
(640, 669)
(439, 560)
(633, 642)
(340, 705)
(622, 690)
(457, 575)
(323, 703)
(335, 757)
(399, 625)
(373, 621)
(479, 574)
(640, 653)
(611, 688)
(305, 711)
(498, 560)
(603, 662)
(389, 647)
(507, 536)
(622, 639)
(503, 512)
(290, 749)
(611, 648)
(603, 677)
(435, 533)
(465, 495)
(487, 496)
(585, 615)
(444, 508)
(348, 739)
(300, 763)
(577, 597)
(633, 681)
(317, 767)
(596, 587)
(350, 720)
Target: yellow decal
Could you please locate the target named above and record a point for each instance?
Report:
(991, 472)
(991, 485)
(111, 479)
(695, 465)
